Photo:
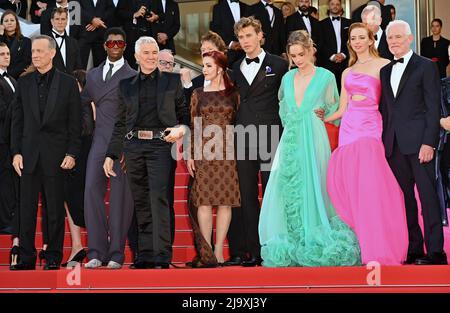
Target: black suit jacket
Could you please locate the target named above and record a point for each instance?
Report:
(7, 5)
(104, 9)
(385, 15)
(75, 31)
(295, 22)
(274, 36)
(171, 106)
(6, 101)
(168, 22)
(328, 43)
(259, 101)
(383, 48)
(223, 22)
(411, 118)
(20, 50)
(59, 131)
(73, 58)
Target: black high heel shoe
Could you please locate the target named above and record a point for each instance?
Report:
(77, 258)
(14, 257)
(41, 256)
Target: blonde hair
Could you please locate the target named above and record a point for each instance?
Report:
(246, 22)
(301, 38)
(372, 50)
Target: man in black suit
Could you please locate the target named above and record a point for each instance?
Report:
(410, 106)
(67, 57)
(96, 16)
(371, 16)
(385, 13)
(45, 141)
(303, 20)
(73, 29)
(333, 51)
(258, 78)
(225, 14)
(8, 87)
(167, 24)
(18, 6)
(152, 115)
(272, 23)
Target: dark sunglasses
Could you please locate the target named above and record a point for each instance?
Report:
(111, 43)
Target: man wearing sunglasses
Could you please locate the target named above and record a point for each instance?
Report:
(107, 235)
(152, 116)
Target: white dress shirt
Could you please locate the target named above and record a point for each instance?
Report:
(306, 21)
(397, 71)
(68, 17)
(337, 31)
(163, 2)
(61, 44)
(269, 10)
(115, 2)
(117, 65)
(250, 70)
(235, 10)
(379, 35)
(95, 2)
(8, 80)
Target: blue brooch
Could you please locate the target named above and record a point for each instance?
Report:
(268, 70)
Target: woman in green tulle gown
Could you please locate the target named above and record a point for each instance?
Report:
(298, 225)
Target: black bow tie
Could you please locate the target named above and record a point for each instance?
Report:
(248, 60)
(5, 74)
(266, 4)
(59, 36)
(336, 18)
(375, 37)
(231, 1)
(401, 60)
(305, 15)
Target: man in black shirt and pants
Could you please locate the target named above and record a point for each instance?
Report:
(152, 115)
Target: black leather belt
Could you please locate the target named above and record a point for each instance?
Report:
(146, 134)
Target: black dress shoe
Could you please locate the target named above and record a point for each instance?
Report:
(233, 261)
(433, 259)
(251, 262)
(51, 266)
(162, 265)
(22, 267)
(139, 265)
(411, 258)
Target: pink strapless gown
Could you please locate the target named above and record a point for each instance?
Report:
(360, 183)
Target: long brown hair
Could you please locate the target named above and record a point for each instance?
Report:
(220, 59)
(18, 32)
(372, 50)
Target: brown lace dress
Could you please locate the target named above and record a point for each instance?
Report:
(216, 179)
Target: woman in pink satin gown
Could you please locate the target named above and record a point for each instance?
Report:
(360, 183)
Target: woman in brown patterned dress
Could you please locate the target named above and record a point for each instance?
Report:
(212, 162)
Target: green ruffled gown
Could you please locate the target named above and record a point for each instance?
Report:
(298, 225)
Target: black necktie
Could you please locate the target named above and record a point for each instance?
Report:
(401, 60)
(256, 60)
(376, 37)
(336, 18)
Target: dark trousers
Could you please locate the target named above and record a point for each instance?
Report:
(98, 51)
(53, 188)
(409, 172)
(149, 166)
(7, 191)
(243, 235)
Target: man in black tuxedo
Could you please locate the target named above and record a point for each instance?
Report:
(385, 13)
(333, 51)
(272, 23)
(303, 20)
(257, 77)
(45, 141)
(225, 14)
(96, 16)
(167, 24)
(73, 29)
(371, 16)
(8, 87)
(67, 57)
(152, 115)
(18, 6)
(410, 106)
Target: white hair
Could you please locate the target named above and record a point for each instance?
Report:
(144, 40)
(166, 51)
(405, 25)
(370, 8)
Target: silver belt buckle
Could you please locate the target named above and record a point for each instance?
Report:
(145, 134)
